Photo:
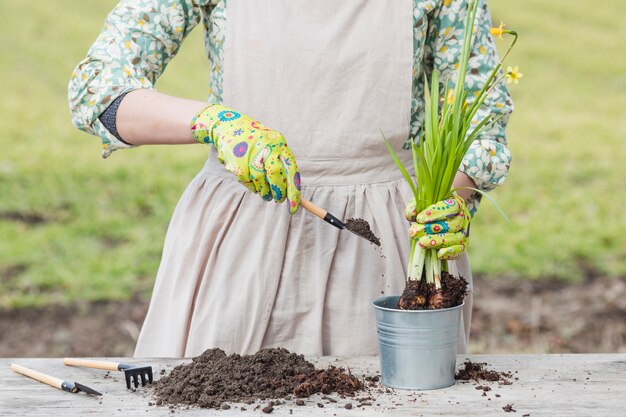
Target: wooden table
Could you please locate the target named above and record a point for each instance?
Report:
(546, 385)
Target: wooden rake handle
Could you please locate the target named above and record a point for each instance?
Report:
(41, 377)
(87, 363)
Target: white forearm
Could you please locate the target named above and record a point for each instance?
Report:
(149, 117)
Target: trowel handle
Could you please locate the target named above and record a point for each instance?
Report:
(86, 363)
(321, 213)
(41, 377)
(313, 209)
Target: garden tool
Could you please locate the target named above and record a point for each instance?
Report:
(130, 371)
(72, 387)
(327, 217)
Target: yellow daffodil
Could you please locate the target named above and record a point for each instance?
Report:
(498, 31)
(450, 98)
(513, 75)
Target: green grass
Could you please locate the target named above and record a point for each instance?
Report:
(104, 221)
(564, 192)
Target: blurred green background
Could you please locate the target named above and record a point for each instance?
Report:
(73, 226)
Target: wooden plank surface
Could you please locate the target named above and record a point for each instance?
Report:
(547, 385)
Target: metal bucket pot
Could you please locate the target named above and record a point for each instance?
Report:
(417, 347)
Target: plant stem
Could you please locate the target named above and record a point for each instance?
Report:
(429, 268)
(514, 33)
(410, 267)
(436, 268)
(416, 267)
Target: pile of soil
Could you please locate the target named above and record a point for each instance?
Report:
(214, 379)
(362, 227)
(421, 295)
(477, 372)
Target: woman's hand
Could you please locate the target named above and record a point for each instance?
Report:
(258, 156)
(443, 226)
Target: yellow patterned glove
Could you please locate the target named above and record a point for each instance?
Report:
(443, 226)
(256, 155)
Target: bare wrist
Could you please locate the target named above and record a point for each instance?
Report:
(464, 184)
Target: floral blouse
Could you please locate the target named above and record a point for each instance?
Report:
(140, 37)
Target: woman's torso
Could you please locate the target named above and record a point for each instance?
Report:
(216, 19)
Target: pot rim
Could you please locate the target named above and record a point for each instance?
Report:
(397, 310)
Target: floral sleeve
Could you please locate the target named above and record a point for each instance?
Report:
(488, 159)
(138, 40)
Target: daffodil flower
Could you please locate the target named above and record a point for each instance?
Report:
(513, 75)
(498, 31)
(450, 98)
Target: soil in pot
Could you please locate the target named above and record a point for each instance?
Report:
(421, 295)
(214, 379)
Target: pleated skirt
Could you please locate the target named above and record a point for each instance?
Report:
(242, 274)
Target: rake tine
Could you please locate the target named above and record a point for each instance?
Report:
(130, 371)
(136, 372)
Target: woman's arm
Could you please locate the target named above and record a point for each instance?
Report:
(138, 40)
(487, 161)
(146, 117)
(463, 182)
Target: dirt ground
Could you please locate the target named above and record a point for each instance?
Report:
(509, 317)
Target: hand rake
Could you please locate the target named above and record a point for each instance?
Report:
(130, 371)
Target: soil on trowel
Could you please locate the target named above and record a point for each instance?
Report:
(477, 372)
(421, 295)
(214, 379)
(362, 227)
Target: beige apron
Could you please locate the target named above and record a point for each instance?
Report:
(241, 274)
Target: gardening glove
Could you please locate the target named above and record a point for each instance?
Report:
(256, 155)
(443, 226)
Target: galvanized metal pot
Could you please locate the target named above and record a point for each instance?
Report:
(417, 347)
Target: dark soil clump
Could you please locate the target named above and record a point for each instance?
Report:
(327, 381)
(420, 295)
(509, 408)
(214, 379)
(269, 408)
(476, 371)
(362, 227)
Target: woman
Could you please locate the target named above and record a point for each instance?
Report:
(241, 274)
